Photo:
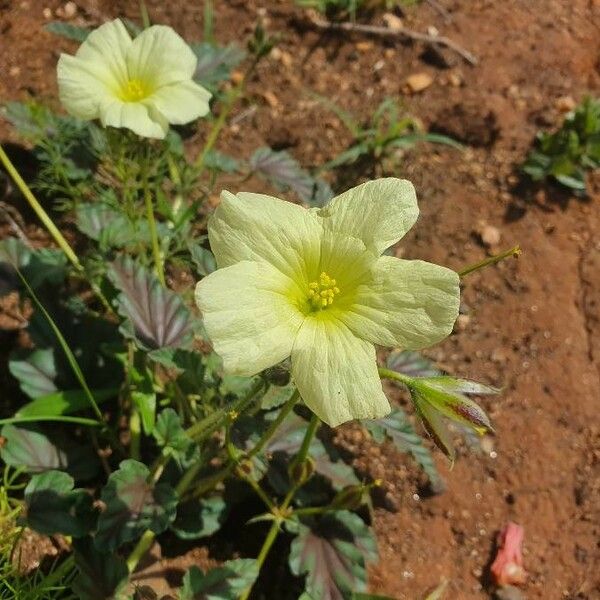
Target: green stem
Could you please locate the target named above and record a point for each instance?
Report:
(158, 262)
(39, 210)
(218, 125)
(210, 424)
(308, 436)
(389, 374)
(491, 260)
(201, 428)
(283, 413)
(274, 530)
(65, 347)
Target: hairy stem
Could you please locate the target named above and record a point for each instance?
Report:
(491, 260)
(158, 261)
(281, 510)
(39, 210)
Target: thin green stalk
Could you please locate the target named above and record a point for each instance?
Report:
(281, 510)
(65, 347)
(283, 413)
(58, 418)
(158, 262)
(232, 97)
(197, 431)
(210, 424)
(39, 210)
(310, 433)
(491, 260)
(389, 374)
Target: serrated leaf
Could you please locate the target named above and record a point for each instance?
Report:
(86, 336)
(52, 506)
(40, 266)
(158, 316)
(199, 518)
(35, 370)
(203, 259)
(105, 225)
(216, 62)
(275, 396)
(284, 171)
(68, 31)
(411, 363)
(217, 161)
(170, 434)
(101, 575)
(333, 552)
(133, 505)
(36, 453)
(397, 428)
(288, 439)
(226, 582)
(30, 449)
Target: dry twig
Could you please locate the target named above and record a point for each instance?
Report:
(395, 32)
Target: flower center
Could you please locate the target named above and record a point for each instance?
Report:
(322, 292)
(134, 91)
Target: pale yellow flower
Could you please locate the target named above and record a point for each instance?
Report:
(142, 84)
(314, 285)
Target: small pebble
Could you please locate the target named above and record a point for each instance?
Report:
(490, 235)
(417, 82)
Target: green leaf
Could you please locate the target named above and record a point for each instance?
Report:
(110, 228)
(36, 453)
(101, 575)
(63, 403)
(333, 551)
(35, 371)
(285, 172)
(217, 161)
(170, 434)
(133, 505)
(199, 518)
(397, 428)
(276, 396)
(52, 506)
(288, 439)
(203, 259)
(157, 316)
(215, 63)
(411, 363)
(30, 449)
(226, 582)
(67, 30)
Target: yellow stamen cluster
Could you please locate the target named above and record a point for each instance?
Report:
(133, 91)
(322, 292)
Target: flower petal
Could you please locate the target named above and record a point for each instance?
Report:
(408, 303)
(248, 316)
(378, 212)
(258, 227)
(97, 71)
(80, 87)
(181, 102)
(336, 372)
(159, 56)
(134, 116)
(105, 50)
